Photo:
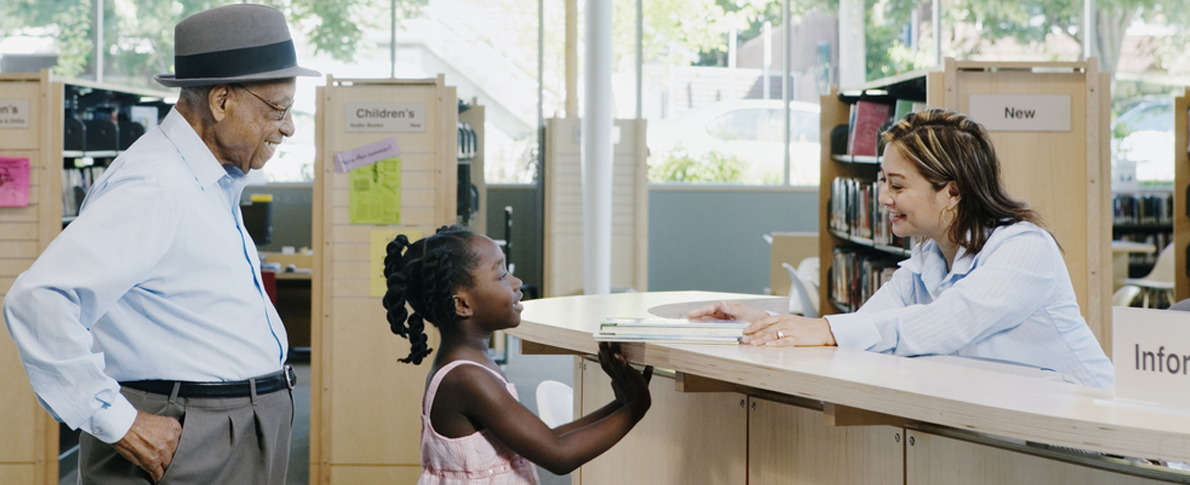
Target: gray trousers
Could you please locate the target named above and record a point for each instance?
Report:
(225, 441)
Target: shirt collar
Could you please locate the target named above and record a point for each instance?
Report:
(202, 163)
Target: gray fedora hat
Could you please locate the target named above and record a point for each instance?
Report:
(232, 44)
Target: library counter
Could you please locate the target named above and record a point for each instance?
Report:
(958, 414)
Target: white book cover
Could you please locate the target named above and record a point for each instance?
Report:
(670, 330)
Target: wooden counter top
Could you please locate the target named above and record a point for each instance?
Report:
(918, 390)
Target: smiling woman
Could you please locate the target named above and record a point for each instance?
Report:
(988, 282)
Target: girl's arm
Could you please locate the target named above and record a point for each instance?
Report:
(488, 403)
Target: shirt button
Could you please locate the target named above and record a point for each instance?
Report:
(97, 430)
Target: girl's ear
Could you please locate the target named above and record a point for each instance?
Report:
(463, 305)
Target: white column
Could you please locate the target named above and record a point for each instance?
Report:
(597, 149)
(852, 51)
(1090, 33)
(97, 37)
(767, 32)
(936, 25)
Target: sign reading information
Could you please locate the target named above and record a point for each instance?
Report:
(14, 113)
(1021, 112)
(1151, 355)
(386, 117)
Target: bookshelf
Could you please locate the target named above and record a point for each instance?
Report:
(1143, 216)
(360, 432)
(52, 140)
(1064, 175)
(1181, 218)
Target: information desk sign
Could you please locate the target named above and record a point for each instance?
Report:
(1151, 354)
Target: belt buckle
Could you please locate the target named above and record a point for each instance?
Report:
(290, 377)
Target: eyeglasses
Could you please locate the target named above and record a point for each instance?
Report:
(282, 112)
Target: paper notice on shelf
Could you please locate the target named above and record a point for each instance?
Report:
(367, 154)
(376, 193)
(14, 182)
(379, 249)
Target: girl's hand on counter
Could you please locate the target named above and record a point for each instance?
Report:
(727, 310)
(785, 329)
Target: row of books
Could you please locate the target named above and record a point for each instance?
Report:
(855, 210)
(868, 118)
(1142, 208)
(75, 185)
(857, 274)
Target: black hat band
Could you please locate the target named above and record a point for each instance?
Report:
(236, 62)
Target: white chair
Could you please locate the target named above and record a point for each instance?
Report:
(1125, 295)
(1158, 284)
(555, 403)
(803, 291)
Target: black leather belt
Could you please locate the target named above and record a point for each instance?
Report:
(285, 379)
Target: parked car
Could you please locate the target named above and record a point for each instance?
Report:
(1146, 124)
(746, 132)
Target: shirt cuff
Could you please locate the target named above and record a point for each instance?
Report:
(110, 423)
(854, 330)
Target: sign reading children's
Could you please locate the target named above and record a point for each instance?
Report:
(386, 117)
(1151, 355)
(14, 113)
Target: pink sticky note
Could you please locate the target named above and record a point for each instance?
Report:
(14, 182)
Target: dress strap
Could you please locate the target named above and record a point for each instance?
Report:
(431, 390)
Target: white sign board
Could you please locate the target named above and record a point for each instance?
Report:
(1021, 112)
(386, 117)
(14, 113)
(1151, 355)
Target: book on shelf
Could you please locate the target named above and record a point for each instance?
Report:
(906, 106)
(855, 209)
(865, 129)
(856, 275)
(669, 330)
(1142, 208)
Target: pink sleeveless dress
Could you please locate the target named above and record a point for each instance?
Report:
(477, 458)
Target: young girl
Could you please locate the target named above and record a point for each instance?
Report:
(474, 430)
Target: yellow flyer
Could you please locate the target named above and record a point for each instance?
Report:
(376, 193)
(380, 240)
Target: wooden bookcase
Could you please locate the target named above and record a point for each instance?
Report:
(365, 407)
(474, 118)
(1181, 188)
(1063, 175)
(563, 238)
(29, 454)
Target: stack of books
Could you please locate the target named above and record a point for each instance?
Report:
(669, 330)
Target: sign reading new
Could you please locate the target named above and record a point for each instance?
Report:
(1021, 112)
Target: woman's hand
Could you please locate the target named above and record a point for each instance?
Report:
(631, 387)
(727, 310)
(786, 329)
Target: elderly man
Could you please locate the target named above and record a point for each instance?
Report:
(145, 322)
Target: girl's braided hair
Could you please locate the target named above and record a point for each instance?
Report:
(425, 274)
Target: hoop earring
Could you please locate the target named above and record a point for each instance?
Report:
(954, 214)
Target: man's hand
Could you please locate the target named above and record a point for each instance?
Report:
(151, 443)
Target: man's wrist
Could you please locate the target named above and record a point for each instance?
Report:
(109, 424)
